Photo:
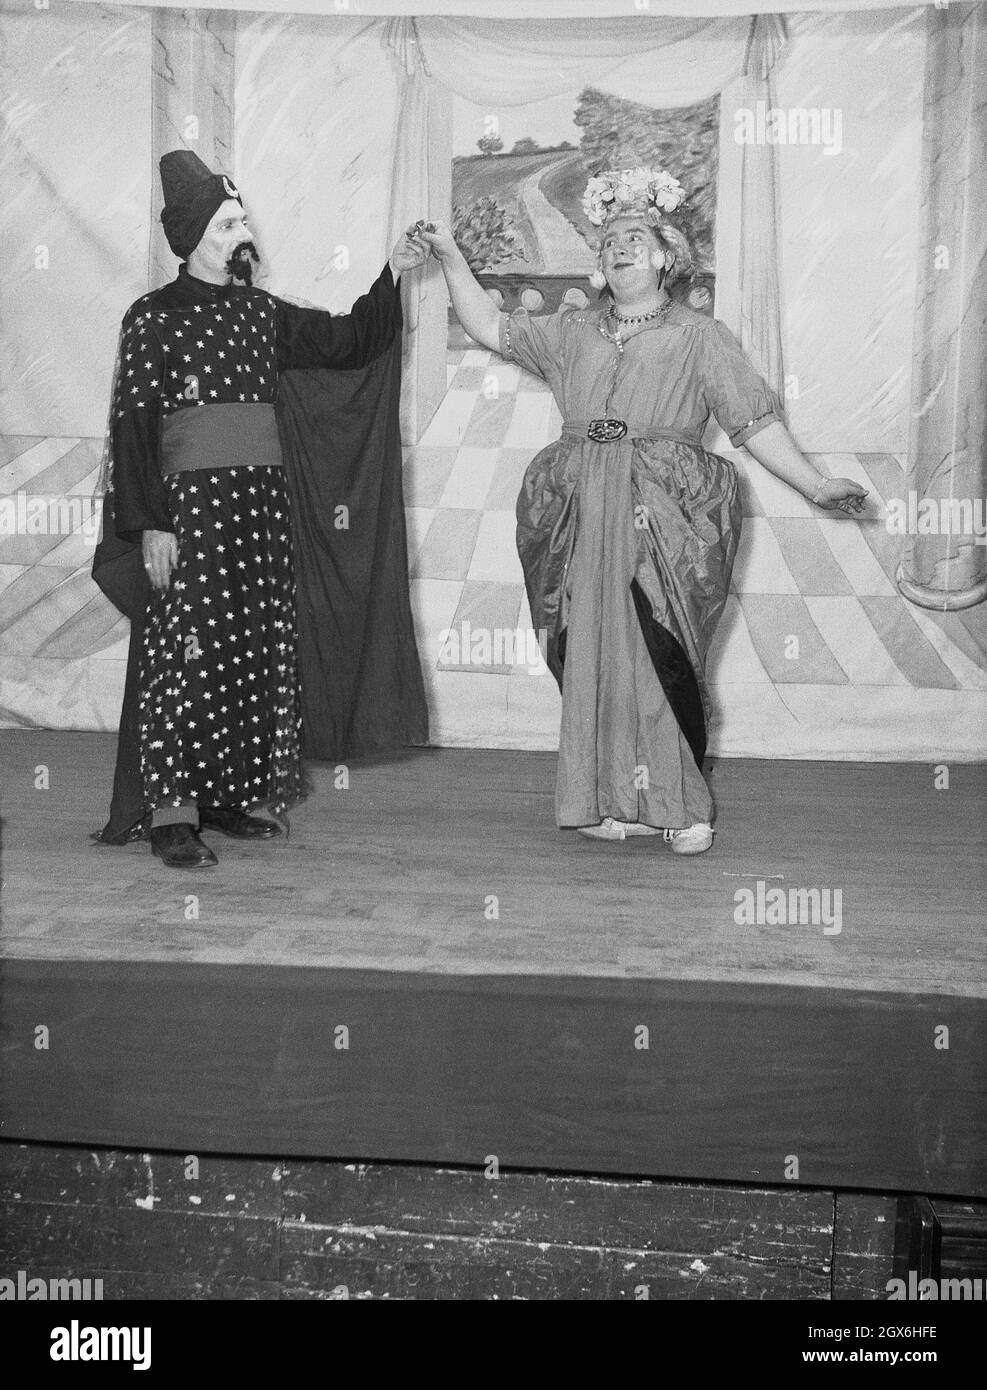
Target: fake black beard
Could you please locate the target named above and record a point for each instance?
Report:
(239, 264)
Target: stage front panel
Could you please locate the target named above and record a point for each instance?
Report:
(657, 1078)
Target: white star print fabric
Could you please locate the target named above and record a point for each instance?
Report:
(219, 706)
(213, 353)
(220, 716)
(194, 452)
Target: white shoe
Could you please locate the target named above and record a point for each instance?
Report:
(610, 829)
(695, 839)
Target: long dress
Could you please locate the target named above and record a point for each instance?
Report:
(217, 716)
(627, 549)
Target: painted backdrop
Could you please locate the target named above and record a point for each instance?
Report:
(819, 654)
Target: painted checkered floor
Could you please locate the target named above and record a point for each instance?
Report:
(813, 603)
(818, 655)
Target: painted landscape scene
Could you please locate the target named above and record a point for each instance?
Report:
(517, 202)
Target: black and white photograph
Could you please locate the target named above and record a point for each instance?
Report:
(493, 664)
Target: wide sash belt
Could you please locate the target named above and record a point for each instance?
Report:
(631, 431)
(220, 436)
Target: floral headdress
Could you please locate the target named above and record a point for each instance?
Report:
(623, 192)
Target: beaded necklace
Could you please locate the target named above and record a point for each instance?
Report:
(625, 319)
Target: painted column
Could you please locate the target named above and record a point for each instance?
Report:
(192, 105)
(942, 565)
(759, 268)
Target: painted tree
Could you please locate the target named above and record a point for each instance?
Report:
(485, 233)
(490, 144)
(619, 134)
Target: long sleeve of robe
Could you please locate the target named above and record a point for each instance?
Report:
(305, 338)
(309, 338)
(318, 368)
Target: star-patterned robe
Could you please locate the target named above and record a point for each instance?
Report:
(212, 700)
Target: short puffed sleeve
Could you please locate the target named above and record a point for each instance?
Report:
(535, 341)
(738, 396)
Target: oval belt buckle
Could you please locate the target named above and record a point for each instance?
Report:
(606, 431)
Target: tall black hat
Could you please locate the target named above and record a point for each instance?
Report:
(191, 196)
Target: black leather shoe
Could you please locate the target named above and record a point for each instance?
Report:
(237, 824)
(132, 836)
(179, 847)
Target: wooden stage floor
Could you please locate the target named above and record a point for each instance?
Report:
(395, 873)
(382, 896)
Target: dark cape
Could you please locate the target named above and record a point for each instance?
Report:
(361, 678)
(361, 682)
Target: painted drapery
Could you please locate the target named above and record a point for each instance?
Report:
(335, 149)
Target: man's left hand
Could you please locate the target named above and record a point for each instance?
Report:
(409, 253)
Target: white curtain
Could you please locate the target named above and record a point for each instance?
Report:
(658, 61)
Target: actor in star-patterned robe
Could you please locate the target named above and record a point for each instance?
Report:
(197, 481)
(218, 695)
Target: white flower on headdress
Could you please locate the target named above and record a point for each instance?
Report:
(652, 190)
(666, 192)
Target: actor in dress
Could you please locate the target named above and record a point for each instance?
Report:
(627, 526)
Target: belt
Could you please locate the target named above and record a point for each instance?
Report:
(235, 435)
(609, 430)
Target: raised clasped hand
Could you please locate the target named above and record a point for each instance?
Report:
(411, 251)
(438, 238)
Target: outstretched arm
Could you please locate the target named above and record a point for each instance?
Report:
(750, 412)
(315, 338)
(474, 308)
(776, 450)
